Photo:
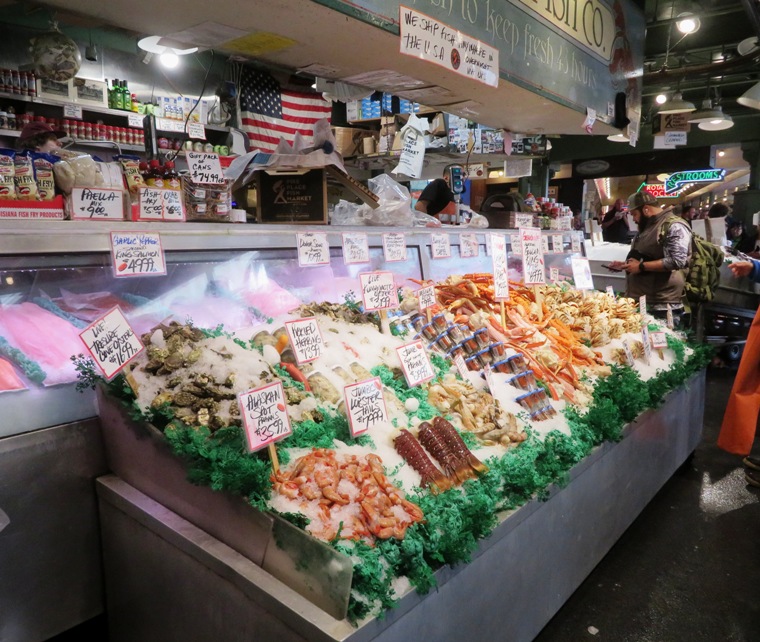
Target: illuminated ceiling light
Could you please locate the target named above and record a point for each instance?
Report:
(9, 280)
(169, 59)
(751, 97)
(722, 121)
(707, 114)
(687, 23)
(721, 153)
(660, 99)
(677, 105)
(620, 137)
(169, 56)
(662, 177)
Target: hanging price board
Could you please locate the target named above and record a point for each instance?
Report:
(306, 339)
(468, 246)
(111, 342)
(313, 249)
(205, 168)
(500, 273)
(355, 248)
(415, 364)
(532, 256)
(265, 415)
(97, 203)
(440, 245)
(394, 247)
(137, 254)
(365, 405)
(378, 291)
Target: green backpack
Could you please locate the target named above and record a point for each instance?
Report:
(703, 272)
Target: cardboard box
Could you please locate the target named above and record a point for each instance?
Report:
(348, 140)
(388, 125)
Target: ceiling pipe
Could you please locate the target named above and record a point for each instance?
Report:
(709, 69)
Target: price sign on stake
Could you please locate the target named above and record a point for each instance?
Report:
(174, 206)
(647, 344)
(306, 339)
(558, 245)
(461, 366)
(151, 204)
(489, 376)
(582, 274)
(426, 297)
(669, 317)
(111, 342)
(500, 274)
(394, 246)
(628, 353)
(97, 203)
(610, 291)
(205, 168)
(313, 249)
(532, 256)
(440, 245)
(265, 415)
(378, 291)
(523, 219)
(659, 340)
(355, 248)
(365, 405)
(137, 254)
(643, 305)
(514, 243)
(415, 364)
(468, 246)
(196, 130)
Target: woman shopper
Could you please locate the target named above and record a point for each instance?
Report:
(737, 433)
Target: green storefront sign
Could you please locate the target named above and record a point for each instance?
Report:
(674, 181)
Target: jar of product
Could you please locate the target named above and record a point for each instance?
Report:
(8, 80)
(176, 144)
(12, 118)
(208, 148)
(2, 80)
(88, 131)
(23, 83)
(163, 143)
(16, 82)
(81, 130)
(3, 120)
(32, 83)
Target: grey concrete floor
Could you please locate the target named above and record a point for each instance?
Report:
(687, 569)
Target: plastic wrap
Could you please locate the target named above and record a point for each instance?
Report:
(75, 169)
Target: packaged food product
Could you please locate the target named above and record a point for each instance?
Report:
(75, 169)
(131, 167)
(26, 188)
(43, 175)
(7, 173)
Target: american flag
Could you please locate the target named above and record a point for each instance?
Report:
(268, 114)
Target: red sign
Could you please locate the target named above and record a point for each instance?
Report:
(658, 190)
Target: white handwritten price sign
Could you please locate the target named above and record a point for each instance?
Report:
(647, 344)
(468, 246)
(135, 120)
(488, 372)
(265, 415)
(440, 245)
(313, 249)
(72, 111)
(523, 219)
(514, 243)
(306, 339)
(205, 168)
(659, 340)
(97, 203)
(609, 289)
(554, 274)
(378, 291)
(174, 206)
(355, 248)
(196, 130)
(643, 305)
(461, 366)
(500, 273)
(575, 244)
(394, 247)
(532, 256)
(545, 244)
(415, 364)
(365, 405)
(151, 204)
(628, 352)
(426, 297)
(582, 274)
(558, 245)
(111, 342)
(137, 254)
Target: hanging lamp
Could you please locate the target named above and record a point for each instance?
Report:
(751, 97)
(677, 105)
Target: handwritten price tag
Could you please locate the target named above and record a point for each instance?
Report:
(609, 289)
(97, 203)
(500, 273)
(306, 339)
(554, 274)
(135, 120)
(440, 245)
(137, 254)
(365, 405)
(205, 168)
(426, 297)
(575, 244)
(72, 111)
(151, 204)
(265, 415)
(313, 249)
(523, 219)
(378, 291)
(558, 245)
(532, 256)
(545, 244)
(514, 243)
(174, 206)
(394, 247)
(415, 364)
(355, 248)
(647, 344)
(659, 340)
(461, 366)
(468, 246)
(643, 305)
(196, 130)
(582, 274)
(489, 376)
(628, 352)
(111, 342)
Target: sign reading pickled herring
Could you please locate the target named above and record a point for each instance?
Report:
(111, 342)
(306, 339)
(378, 291)
(365, 405)
(428, 39)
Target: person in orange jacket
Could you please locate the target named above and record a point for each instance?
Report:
(737, 432)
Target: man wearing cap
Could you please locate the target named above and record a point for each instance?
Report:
(39, 137)
(659, 254)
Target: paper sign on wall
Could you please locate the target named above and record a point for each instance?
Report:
(265, 415)
(440, 245)
(468, 246)
(426, 297)
(355, 248)
(306, 339)
(500, 273)
(365, 405)
(97, 203)
(558, 245)
(205, 168)
(523, 219)
(532, 256)
(378, 291)
(137, 254)
(415, 363)
(111, 342)
(582, 274)
(313, 249)
(394, 246)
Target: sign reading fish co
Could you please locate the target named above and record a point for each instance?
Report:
(426, 38)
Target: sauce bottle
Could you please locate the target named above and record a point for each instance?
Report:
(171, 176)
(155, 175)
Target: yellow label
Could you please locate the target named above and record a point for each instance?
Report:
(259, 43)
